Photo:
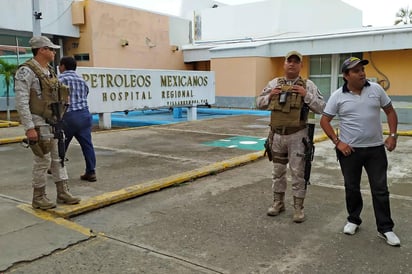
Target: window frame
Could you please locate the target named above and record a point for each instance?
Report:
(335, 76)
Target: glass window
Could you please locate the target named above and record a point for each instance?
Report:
(320, 64)
(198, 27)
(82, 57)
(323, 83)
(320, 72)
(14, 50)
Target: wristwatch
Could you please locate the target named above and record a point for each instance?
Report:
(394, 135)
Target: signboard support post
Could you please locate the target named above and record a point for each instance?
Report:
(105, 120)
(192, 113)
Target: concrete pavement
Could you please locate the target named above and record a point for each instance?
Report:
(136, 161)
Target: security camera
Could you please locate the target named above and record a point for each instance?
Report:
(124, 42)
(37, 15)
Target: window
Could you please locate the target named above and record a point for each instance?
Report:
(14, 50)
(198, 28)
(82, 57)
(321, 72)
(324, 71)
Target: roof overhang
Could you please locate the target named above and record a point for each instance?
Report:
(358, 40)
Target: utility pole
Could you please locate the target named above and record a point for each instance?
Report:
(36, 18)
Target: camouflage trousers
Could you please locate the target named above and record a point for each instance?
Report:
(42, 164)
(289, 150)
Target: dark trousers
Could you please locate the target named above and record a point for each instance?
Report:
(375, 162)
(78, 124)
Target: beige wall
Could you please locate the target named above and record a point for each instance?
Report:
(107, 25)
(396, 65)
(234, 76)
(82, 45)
(247, 76)
(266, 69)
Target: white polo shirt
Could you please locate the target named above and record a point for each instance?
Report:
(360, 123)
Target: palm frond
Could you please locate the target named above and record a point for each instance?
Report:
(404, 15)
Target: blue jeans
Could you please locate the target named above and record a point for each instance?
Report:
(375, 162)
(78, 124)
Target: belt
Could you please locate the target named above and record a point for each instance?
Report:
(287, 130)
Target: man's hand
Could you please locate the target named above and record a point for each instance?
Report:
(345, 148)
(275, 91)
(32, 134)
(390, 143)
(299, 89)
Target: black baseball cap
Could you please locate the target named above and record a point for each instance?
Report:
(352, 62)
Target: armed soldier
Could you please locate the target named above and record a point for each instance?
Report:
(38, 92)
(289, 98)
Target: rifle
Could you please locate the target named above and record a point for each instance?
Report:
(309, 152)
(57, 126)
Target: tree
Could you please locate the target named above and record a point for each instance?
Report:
(404, 15)
(8, 71)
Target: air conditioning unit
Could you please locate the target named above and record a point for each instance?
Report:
(372, 79)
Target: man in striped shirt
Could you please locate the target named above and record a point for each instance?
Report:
(77, 119)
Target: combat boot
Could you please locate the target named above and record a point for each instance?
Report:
(63, 194)
(278, 204)
(40, 199)
(298, 216)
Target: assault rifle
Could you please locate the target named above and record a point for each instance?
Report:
(58, 132)
(309, 152)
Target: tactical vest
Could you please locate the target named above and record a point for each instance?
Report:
(288, 108)
(52, 91)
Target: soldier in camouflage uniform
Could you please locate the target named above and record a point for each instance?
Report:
(289, 98)
(36, 87)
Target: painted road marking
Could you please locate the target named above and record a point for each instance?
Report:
(239, 142)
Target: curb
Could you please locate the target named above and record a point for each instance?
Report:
(4, 123)
(11, 140)
(124, 194)
(109, 198)
(42, 214)
(113, 197)
(400, 132)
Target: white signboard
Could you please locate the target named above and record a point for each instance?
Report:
(128, 89)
